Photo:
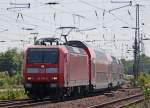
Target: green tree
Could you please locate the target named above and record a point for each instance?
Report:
(144, 65)
(11, 61)
(128, 66)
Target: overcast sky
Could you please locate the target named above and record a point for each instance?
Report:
(103, 25)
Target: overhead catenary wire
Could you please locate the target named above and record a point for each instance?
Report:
(102, 23)
(44, 23)
(105, 11)
(28, 23)
(36, 18)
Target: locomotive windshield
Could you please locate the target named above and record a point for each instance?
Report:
(42, 55)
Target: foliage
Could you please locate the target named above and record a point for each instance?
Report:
(7, 81)
(144, 65)
(11, 87)
(12, 94)
(146, 91)
(144, 82)
(11, 61)
(128, 64)
(10, 75)
(133, 106)
(144, 79)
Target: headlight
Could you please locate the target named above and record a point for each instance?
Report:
(32, 70)
(54, 78)
(29, 78)
(51, 70)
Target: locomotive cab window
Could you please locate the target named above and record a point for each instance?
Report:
(42, 55)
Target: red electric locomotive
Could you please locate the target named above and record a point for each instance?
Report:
(70, 68)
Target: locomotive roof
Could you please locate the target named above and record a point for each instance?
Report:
(70, 49)
(42, 41)
(83, 45)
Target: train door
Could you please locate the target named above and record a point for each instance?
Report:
(66, 69)
(93, 69)
(110, 70)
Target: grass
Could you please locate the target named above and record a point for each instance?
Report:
(144, 83)
(11, 87)
(12, 94)
(7, 82)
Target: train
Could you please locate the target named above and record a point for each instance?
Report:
(53, 69)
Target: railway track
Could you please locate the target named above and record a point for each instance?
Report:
(13, 103)
(23, 103)
(121, 103)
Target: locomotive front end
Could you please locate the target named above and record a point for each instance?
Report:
(41, 71)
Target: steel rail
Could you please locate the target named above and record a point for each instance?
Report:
(12, 101)
(115, 101)
(131, 103)
(25, 103)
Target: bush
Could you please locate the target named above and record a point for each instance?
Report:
(12, 94)
(147, 93)
(144, 79)
(7, 81)
(1, 83)
(144, 82)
